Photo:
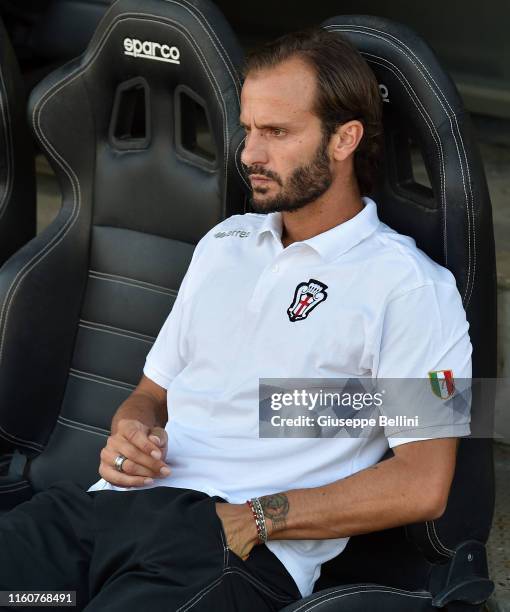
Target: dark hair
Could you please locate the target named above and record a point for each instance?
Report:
(346, 89)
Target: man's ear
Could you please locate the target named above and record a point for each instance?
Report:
(346, 139)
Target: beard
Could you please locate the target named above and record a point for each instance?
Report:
(305, 185)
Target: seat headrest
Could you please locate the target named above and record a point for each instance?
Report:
(153, 103)
(448, 212)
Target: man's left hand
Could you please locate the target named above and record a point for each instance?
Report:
(239, 527)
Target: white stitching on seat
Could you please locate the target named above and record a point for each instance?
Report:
(10, 170)
(84, 426)
(226, 57)
(469, 199)
(217, 90)
(447, 550)
(428, 121)
(239, 169)
(231, 69)
(132, 282)
(109, 329)
(96, 433)
(47, 248)
(370, 588)
(466, 159)
(431, 540)
(233, 73)
(102, 380)
(12, 438)
(198, 52)
(385, 36)
(53, 153)
(469, 279)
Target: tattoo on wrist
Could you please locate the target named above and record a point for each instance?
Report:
(276, 508)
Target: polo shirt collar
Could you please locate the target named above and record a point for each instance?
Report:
(272, 224)
(335, 241)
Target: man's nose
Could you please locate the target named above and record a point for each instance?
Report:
(254, 151)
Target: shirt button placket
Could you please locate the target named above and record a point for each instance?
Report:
(264, 285)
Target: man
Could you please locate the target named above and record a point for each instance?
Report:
(310, 286)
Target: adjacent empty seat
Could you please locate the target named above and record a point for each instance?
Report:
(141, 132)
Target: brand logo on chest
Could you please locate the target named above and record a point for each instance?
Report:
(307, 296)
(239, 233)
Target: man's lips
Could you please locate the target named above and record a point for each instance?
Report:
(259, 178)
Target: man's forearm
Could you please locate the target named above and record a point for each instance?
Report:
(385, 495)
(142, 407)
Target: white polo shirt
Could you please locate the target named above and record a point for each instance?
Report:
(389, 312)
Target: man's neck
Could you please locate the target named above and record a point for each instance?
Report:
(320, 216)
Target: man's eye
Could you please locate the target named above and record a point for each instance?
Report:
(277, 132)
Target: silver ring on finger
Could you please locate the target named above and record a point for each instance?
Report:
(119, 461)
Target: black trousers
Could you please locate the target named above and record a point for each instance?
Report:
(160, 549)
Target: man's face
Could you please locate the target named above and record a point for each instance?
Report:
(286, 154)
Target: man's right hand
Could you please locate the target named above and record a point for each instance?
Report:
(144, 448)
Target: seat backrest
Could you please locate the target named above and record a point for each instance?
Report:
(139, 131)
(448, 213)
(17, 171)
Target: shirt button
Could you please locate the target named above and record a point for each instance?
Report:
(275, 268)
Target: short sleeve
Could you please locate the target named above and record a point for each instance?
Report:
(165, 359)
(425, 340)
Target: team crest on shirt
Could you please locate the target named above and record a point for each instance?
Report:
(442, 383)
(307, 296)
